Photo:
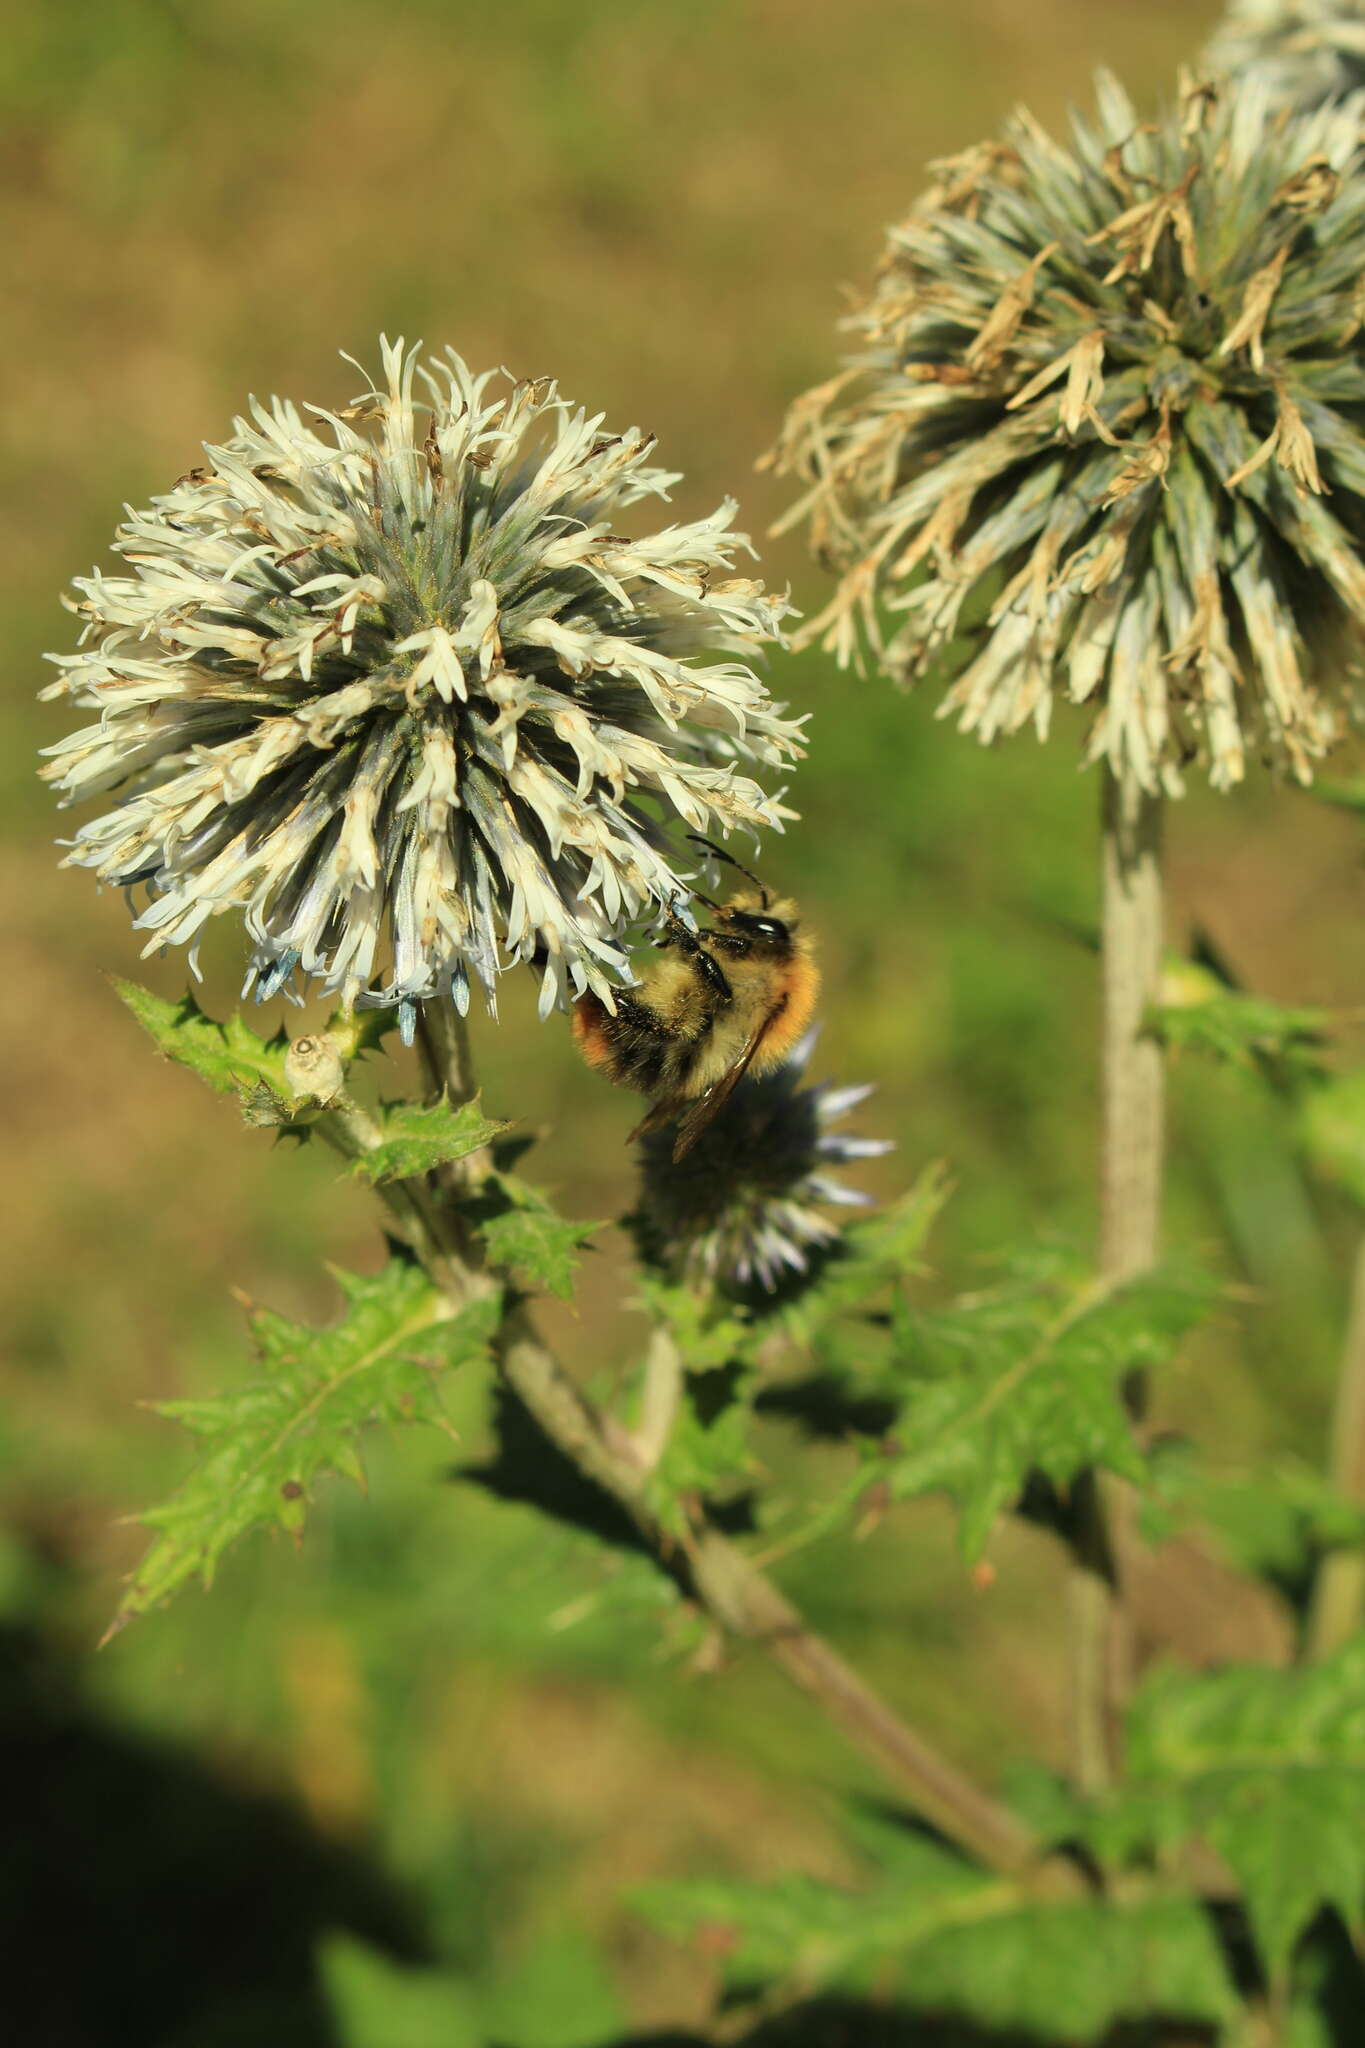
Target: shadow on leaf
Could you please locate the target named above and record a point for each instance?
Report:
(827, 1408)
(529, 1468)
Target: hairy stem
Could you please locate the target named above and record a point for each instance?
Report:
(660, 1396)
(727, 1584)
(1134, 1081)
(1339, 1595)
(444, 1051)
(446, 1059)
(1131, 1146)
(1097, 1636)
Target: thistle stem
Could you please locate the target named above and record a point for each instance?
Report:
(1131, 1146)
(1134, 1080)
(446, 1058)
(444, 1050)
(660, 1395)
(1339, 1594)
(727, 1584)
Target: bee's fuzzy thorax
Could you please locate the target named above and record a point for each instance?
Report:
(800, 988)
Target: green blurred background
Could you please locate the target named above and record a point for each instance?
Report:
(437, 1725)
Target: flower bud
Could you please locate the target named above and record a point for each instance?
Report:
(313, 1069)
(742, 1210)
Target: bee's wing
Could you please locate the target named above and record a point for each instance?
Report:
(709, 1106)
(659, 1113)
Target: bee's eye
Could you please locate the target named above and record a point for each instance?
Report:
(769, 928)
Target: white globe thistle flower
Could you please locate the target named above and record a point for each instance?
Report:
(1305, 50)
(741, 1211)
(411, 688)
(1103, 434)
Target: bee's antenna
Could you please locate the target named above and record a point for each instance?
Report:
(729, 859)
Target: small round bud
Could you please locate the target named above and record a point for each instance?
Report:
(313, 1067)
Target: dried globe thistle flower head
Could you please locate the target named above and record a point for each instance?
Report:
(412, 689)
(739, 1211)
(1106, 432)
(1306, 51)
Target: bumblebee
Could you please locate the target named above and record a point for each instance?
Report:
(732, 999)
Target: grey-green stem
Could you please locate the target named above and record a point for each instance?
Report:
(1131, 1158)
(660, 1396)
(1134, 1079)
(444, 1050)
(1339, 1594)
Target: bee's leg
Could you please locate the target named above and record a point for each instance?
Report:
(706, 964)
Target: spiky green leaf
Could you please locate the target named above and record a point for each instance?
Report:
(1070, 1973)
(1269, 1768)
(1283, 1044)
(539, 1248)
(705, 1330)
(418, 1138)
(1028, 1377)
(230, 1056)
(526, 1236)
(1265, 1767)
(875, 1253)
(263, 1446)
(941, 1937)
(1276, 1521)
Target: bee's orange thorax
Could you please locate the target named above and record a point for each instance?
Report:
(800, 987)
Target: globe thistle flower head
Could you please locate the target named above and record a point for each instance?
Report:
(741, 1212)
(1105, 434)
(415, 689)
(1306, 51)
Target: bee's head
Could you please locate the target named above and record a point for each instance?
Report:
(768, 924)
